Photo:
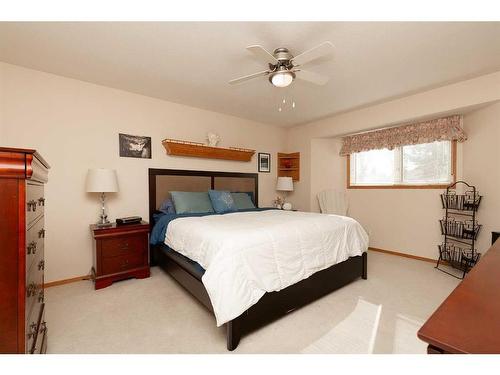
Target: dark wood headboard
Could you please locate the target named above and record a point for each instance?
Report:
(161, 181)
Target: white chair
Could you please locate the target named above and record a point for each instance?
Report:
(333, 202)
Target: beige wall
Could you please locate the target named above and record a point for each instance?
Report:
(398, 220)
(75, 126)
(2, 105)
(407, 220)
(455, 98)
(329, 168)
(428, 104)
(481, 166)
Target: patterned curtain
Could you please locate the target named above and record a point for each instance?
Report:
(441, 129)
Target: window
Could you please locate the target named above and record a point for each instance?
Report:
(430, 165)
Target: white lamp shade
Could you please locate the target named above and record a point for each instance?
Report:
(284, 184)
(102, 181)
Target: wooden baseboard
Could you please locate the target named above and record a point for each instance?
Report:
(424, 259)
(89, 277)
(67, 281)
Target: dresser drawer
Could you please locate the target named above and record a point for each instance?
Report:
(124, 245)
(35, 331)
(35, 202)
(35, 242)
(41, 347)
(34, 293)
(124, 262)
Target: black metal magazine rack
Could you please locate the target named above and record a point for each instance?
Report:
(460, 230)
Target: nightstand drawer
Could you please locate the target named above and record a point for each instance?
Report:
(123, 245)
(123, 263)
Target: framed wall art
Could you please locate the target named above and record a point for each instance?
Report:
(135, 146)
(264, 162)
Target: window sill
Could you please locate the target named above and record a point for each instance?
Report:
(439, 186)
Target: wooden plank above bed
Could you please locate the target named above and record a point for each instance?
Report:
(199, 150)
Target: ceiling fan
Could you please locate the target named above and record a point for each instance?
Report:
(284, 67)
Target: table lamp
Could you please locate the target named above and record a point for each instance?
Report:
(285, 184)
(102, 181)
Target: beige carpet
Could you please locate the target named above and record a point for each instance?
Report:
(155, 315)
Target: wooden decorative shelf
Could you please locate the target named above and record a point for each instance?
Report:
(289, 165)
(199, 150)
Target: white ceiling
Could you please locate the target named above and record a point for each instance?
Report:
(191, 62)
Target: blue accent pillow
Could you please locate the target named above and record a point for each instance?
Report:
(222, 201)
(187, 202)
(167, 207)
(242, 201)
(249, 193)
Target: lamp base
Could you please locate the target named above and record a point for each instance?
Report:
(103, 222)
(103, 218)
(103, 225)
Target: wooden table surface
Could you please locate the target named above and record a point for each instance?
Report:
(468, 321)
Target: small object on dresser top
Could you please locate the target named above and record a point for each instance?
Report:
(128, 220)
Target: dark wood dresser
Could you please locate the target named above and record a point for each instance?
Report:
(23, 173)
(120, 252)
(468, 321)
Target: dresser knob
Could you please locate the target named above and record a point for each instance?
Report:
(43, 327)
(41, 233)
(41, 296)
(41, 201)
(31, 205)
(31, 247)
(41, 265)
(31, 290)
(32, 330)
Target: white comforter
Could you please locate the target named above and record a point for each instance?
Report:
(247, 254)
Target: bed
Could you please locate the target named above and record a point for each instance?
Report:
(256, 298)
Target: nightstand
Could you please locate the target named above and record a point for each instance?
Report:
(120, 252)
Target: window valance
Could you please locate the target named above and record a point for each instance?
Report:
(441, 129)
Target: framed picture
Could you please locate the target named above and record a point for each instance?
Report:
(264, 162)
(135, 146)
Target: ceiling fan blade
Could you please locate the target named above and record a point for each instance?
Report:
(323, 49)
(248, 77)
(306, 75)
(262, 54)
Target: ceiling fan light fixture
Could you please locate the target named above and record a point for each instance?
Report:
(282, 78)
(282, 65)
